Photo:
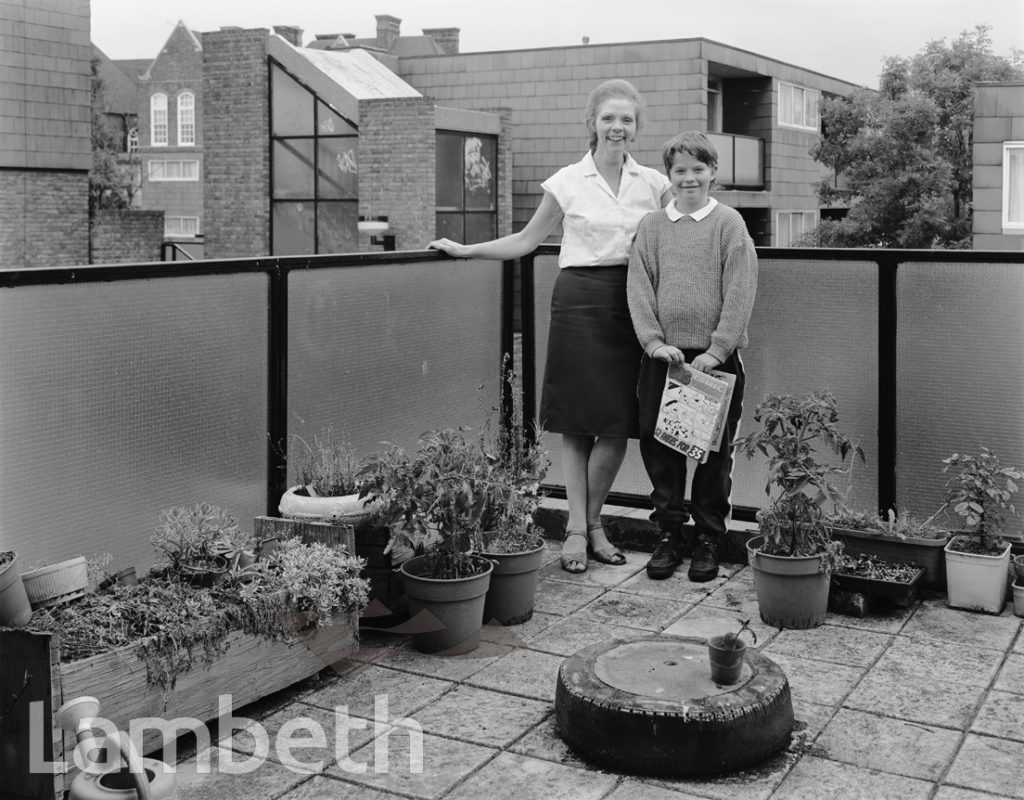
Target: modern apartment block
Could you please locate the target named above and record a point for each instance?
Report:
(998, 158)
(763, 115)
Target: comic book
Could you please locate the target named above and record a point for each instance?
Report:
(694, 406)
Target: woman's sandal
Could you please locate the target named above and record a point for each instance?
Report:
(574, 559)
(607, 553)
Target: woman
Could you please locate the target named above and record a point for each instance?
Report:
(589, 390)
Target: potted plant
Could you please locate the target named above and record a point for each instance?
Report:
(511, 541)
(898, 536)
(189, 541)
(794, 553)
(434, 503)
(15, 609)
(726, 654)
(329, 484)
(878, 578)
(978, 559)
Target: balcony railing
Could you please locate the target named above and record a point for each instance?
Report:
(128, 389)
(740, 161)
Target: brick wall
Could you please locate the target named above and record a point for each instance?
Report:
(126, 236)
(398, 167)
(44, 218)
(236, 198)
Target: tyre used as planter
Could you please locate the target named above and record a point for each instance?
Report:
(792, 592)
(647, 705)
(975, 581)
(15, 610)
(57, 583)
(513, 585)
(448, 612)
(351, 509)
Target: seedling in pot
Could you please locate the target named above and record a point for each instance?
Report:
(732, 640)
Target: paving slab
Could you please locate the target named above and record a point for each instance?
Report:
(377, 687)
(923, 659)
(935, 620)
(1002, 715)
(323, 787)
(989, 765)
(524, 672)
(928, 701)
(704, 622)
(634, 789)
(482, 716)
(887, 745)
(543, 741)
(615, 607)
(571, 635)
(838, 645)
(816, 681)
(516, 777)
(755, 783)
(817, 778)
(1011, 674)
(563, 598)
(442, 764)
(216, 774)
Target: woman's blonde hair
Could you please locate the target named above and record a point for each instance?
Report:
(613, 88)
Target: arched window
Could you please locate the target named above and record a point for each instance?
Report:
(158, 120)
(186, 119)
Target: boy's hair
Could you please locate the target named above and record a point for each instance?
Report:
(693, 143)
(616, 87)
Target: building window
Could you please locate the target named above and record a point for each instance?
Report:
(792, 225)
(714, 104)
(314, 182)
(158, 120)
(798, 107)
(466, 192)
(164, 170)
(186, 119)
(178, 227)
(1013, 187)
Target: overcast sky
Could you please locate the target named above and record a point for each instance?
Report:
(845, 39)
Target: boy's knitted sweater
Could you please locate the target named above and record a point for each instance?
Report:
(692, 282)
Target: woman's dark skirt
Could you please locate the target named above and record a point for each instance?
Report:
(593, 358)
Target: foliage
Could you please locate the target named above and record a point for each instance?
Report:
(731, 640)
(790, 429)
(897, 524)
(330, 467)
(981, 493)
(905, 152)
(193, 536)
(111, 178)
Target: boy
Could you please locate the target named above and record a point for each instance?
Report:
(691, 285)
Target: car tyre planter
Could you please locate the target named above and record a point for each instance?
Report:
(647, 705)
(792, 591)
(513, 587)
(449, 613)
(57, 583)
(15, 609)
(975, 581)
(351, 509)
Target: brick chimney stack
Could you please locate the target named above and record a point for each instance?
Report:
(290, 33)
(447, 38)
(388, 29)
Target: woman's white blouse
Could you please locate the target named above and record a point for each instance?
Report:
(598, 227)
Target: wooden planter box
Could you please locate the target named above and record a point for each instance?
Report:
(926, 553)
(251, 667)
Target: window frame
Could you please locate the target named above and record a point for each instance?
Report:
(785, 102)
(815, 218)
(186, 121)
(155, 124)
(1012, 226)
(152, 177)
(463, 211)
(181, 219)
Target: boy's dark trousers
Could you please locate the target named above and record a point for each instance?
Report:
(712, 480)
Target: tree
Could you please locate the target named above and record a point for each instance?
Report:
(901, 156)
(111, 179)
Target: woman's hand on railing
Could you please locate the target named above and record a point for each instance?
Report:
(451, 248)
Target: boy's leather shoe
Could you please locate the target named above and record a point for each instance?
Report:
(704, 566)
(667, 556)
(688, 540)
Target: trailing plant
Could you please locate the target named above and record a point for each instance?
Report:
(980, 493)
(790, 433)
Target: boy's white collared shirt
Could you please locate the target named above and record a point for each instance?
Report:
(675, 214)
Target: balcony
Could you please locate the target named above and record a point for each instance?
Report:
(131, 389)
